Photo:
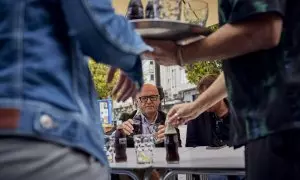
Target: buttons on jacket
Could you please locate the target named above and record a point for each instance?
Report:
(47, 122)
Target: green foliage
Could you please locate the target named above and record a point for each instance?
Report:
(197, 70)
(213, 28)
(99, 73)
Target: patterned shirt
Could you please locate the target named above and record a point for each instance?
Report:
(148, 127)
(264, 86)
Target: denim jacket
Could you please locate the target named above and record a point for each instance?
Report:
(44, 74)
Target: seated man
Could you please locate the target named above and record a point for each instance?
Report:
(214, 126)
(148, 101)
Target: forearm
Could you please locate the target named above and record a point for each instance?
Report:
(216, 92)
(233, 40)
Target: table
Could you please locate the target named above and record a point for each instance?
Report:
(127, 168)
(199, 160)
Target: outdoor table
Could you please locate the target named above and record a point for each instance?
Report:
(199, 160)
(127, 168)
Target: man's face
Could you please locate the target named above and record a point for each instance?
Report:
(148, 101)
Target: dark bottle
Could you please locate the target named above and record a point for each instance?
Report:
(137, 123)
(152, 10)
(120, 144)
(171, 144)
(135, 10)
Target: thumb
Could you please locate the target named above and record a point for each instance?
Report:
(172, 115)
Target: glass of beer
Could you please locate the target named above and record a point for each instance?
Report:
(144, 145)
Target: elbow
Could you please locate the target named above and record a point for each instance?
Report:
(271, 40)
(272, 34)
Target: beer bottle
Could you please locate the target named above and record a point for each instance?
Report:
(120, 144)
(171, 144)
(152, 9)
(135, 10)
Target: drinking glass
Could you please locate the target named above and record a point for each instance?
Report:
(170, 9)
(155, 131)
(109, 147)
(195, 12)
(144, 145)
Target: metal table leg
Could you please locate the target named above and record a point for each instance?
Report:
(124, 172)
(147, 174)
(171, 174)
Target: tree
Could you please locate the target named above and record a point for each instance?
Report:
(99, 73)
(197, 70)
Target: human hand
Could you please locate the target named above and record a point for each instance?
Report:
(125, 87)
(127, 127)
(160, 135)
(165, 52)
(182, 113)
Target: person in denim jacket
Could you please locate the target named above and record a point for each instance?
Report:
(49, 121)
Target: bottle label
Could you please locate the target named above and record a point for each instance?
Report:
(122, 140)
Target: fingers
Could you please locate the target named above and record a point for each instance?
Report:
(130, 121)
(111, 74)
(127, 127)
(128, 92)
(171, 112)
(161, 127)
(161, 132)
(119, 84)
(124, 89)
(173, 115)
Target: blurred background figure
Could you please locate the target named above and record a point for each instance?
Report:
(48, 112)
(211, 128)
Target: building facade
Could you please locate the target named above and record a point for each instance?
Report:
(149, 71)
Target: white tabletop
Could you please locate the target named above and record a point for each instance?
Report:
(202, 158)
(190, 158)
(159, 155)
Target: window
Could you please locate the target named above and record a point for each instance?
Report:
(173, 76)
(152, 77)
(183, 78)
(151, 62)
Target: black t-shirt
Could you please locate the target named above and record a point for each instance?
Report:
(208, 130)
(264, 87)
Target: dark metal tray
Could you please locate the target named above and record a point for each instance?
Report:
(168, 30)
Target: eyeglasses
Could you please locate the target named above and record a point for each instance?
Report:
(152, 98)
